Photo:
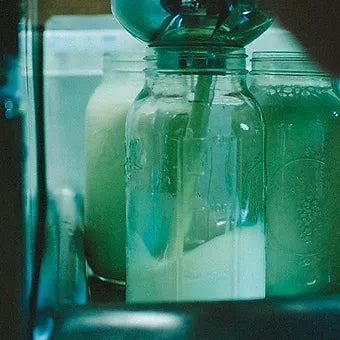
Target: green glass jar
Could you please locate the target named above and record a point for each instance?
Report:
(302, 114)
(195, 180)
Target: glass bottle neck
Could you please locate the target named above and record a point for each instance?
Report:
(125, 72)
(287, 68)
(129, 63)
(175, 71)
(198, 60)
(165, 84)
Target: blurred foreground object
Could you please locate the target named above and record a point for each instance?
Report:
(316, 25)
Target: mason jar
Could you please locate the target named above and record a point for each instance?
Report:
(195, 180)
(302, 114)
(105, 226)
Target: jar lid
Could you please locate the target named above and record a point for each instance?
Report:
(290, 62)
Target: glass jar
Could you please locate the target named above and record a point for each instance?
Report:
(302, 116)
(105, 226)
(195, 180)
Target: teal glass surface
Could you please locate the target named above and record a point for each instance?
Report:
(302, 116)
(195, 22)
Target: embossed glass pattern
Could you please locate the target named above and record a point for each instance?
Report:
(302, 116)
(195, 181)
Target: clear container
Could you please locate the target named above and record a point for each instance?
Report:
(195, 180)
(302, 114)
(105, 226)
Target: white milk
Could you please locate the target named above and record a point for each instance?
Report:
(228, 267)
(105, 226)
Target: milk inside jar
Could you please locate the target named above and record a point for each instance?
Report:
(105, 182)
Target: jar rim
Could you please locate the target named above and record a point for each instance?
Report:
(112, 63)
(202, 51)
(284, 62)
(197, 59)
(280, 55)
(124, 56)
